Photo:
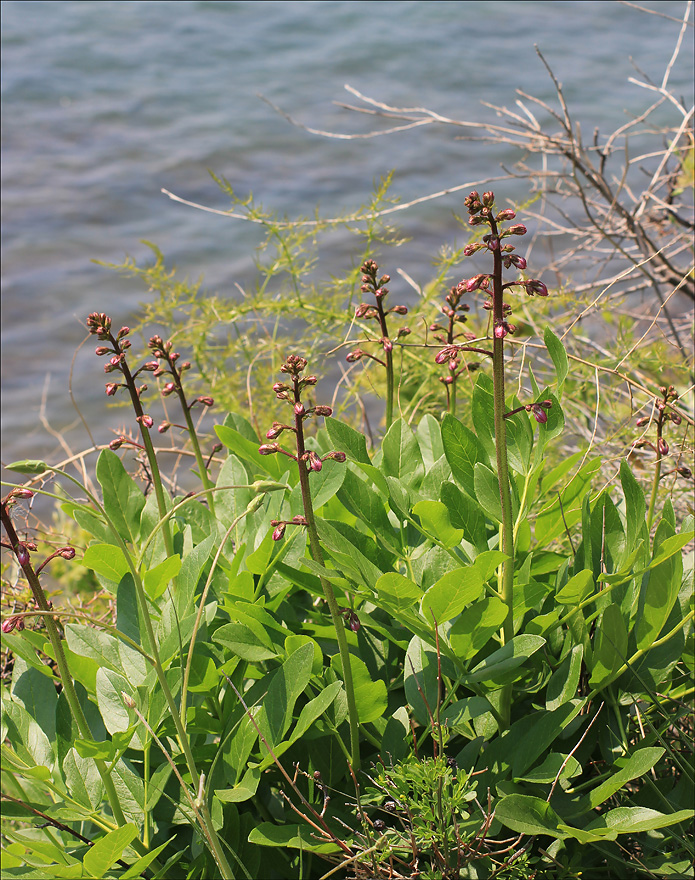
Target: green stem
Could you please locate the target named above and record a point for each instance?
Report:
(657, 473)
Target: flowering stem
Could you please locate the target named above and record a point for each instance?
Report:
(202, 467)
(506, 581)
(317, 555)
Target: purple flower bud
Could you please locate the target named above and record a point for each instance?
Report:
(334, 456)
(116, 443)
(67, 552)
(155, 342)
(384, 280)
(494, 244)
(280, 386)
(22, 554)
(164, 427)
(168, 389)
(310, 380)
(445, 354)
(324, 411)
(475, 220)
(299, 409)
(279, 532)
(299, 520)
(101, 350)
(404, 331)
(124, 331)
(662, 446)
(684, 472)
(388, 345)
(355, 355)
(111, 388)
(470, 249)
(315, 462)
(643, 421)
(675, 418)
(539, 414)
(536, 286)
(362, 310)
(400, 310)
(506, 214)
(474, 283)
(145, 420)
(206, 401)
(519, 229)
(186, 365)
(518, 261)
(11, 623)
(488, 199)
(268, 448)
(447, 380)
(500, 330)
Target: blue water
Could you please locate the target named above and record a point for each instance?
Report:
(105, 103)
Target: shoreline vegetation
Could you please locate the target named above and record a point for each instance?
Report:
(420, 602)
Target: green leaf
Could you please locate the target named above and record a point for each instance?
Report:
(401, 454)
(107, 560)
(487, 491)
(38, 695)
(346, 439)
(463, 450)
(483, 414)
(138, 867)
(465, 514)
(635, 506)
(285, 687)
(246, 642)
(420, 679)
(108, 850)
(429, 437)
(563, 684)
(434, 517)
(476, 625)
(358, 496)
(609, 646)
(528, 815)
(204, 675)
(243, 790)
(450, 594)
(555, 766)
(83, 780)
(577, 589)
(458, 714)
(123, 500)
(292, 836)
(549, 522)
(557, 352)
(397, 590)
(87, 641)
(659, 589)
(508, 657)
(631, 820)
(637, 764)
(191, 568)
(157, 579)
(370, 696)
(323, 484)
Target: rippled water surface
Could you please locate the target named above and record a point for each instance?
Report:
(105, 103)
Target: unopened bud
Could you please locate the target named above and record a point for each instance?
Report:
(388, 345)
(335, 456)
(206, 401)
(643, 421)
(111, 388)
(116, 443)
(404, 331)
(501, 330)
(662, 446)
(315, 462)
(299, 409)
(268, 449)
(536, 286)
(400, 310)
(128, 700)
(675, 418)
(684, 472)
(22, 555)
(279, 531)
(164, 427)
(11, 623)
(539, 414)
(145, 420)
(506, 214)
(488, 199)
(101, 350)
(519, 229)
(355, 355)
(274, 432)
(22, 493)
(322, 410)
(168, 389)
(299, 520)
(67, 552)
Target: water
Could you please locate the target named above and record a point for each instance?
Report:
(105, 103)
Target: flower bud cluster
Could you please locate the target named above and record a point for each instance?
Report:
(376, 285)
(664, 413)
(454, 310)
(279, 525)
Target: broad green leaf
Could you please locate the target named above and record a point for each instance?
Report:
(138, 867)
(130, 790)
(157, 579)
(465, 514)
(451, 594)
(483, 414)
(315, 708)
(293, 836)
(635, 505)
(529, 737)
(609, 646)
(577, 589)
(190, 572)
(123, 499)
(230, 504)
(528, 815)
(87, 641)
(558, 472)
(38, 695)
(555, 766)
(631, 820)
(487, 491)
(83, 780)
(463, 450)
(244, 790)
(506, 658)
(370, 696)
(556, 419)
(429, 438)
(458, 714)
(420, 679)
(549, 522)
(401, 453)
(323, 484)
(92, 522)
(636, 764)
(659, 589)
(476, 625)
(359, 497)
(27, 737)
(286, 685)
(204, 675)
(565, 680)
(107, 560)
(346, 439)
(117, 717)
(247, 450)
(249, 644)
(294, 641)
(557, 352)
(397, 590)
(434, 517)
